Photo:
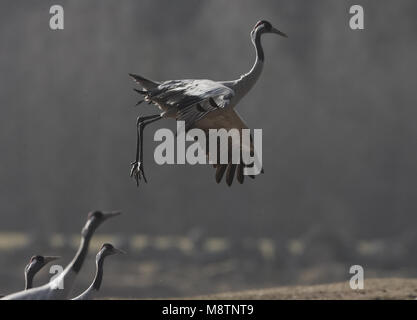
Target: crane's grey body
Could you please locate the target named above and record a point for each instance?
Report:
(203, 104)
(49, 291)
(60, 287)
(106, 250)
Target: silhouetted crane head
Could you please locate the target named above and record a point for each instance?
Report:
(107, 250)
(94, 219)
(38, 262)
(264, 26)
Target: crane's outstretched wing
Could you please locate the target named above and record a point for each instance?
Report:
(188, 100)
(227, 119)
(201, 104)
(199, 98)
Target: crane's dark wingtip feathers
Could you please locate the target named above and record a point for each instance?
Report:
(220, 172)
(230, 174)
(231, 170)
(240, 177)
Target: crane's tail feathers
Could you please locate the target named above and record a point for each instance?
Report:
(146, 83)
(140, 91)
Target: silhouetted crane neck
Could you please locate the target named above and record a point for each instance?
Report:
(79, 258)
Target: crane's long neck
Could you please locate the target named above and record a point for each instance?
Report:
(99, 273)
(76, 263)
(28, 280)
(248, 80)
(96, 284)
(62, 284)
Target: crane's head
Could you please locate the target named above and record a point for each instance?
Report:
(107, 250)
(264, 26)
(94, 219)
(38, 262)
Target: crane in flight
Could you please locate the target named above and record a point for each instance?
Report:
(203, 104)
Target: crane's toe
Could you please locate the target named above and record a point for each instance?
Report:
(137, 172)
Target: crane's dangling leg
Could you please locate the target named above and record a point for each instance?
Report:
(137, 165)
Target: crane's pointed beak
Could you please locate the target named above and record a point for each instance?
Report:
(274, 30)
(118, 251)
(51, 258)
(107, 215)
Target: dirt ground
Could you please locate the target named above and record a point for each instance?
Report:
(391, 288)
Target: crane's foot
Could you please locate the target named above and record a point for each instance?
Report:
(137, 172)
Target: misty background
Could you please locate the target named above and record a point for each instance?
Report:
(338, 113)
